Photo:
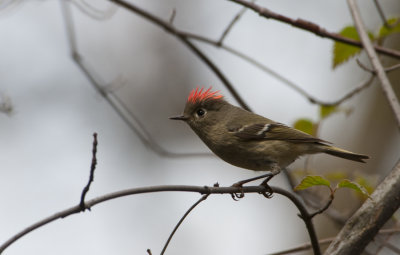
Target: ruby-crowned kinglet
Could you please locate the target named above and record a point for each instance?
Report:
(248, 140)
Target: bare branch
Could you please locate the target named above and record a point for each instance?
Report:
(312, 27)
(165, 188)
(204, 197)
(373, 57)
(91, 177)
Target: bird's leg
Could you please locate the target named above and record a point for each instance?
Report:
(237, 196)
(240, 183)
(274, 171)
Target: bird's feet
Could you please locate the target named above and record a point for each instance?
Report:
(269, 192)
(237, 196)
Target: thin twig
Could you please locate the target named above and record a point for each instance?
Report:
(312, 27)
(383, 17)
(387, 69)
(373, 57)
(204, 197)
(231, 24)
(172, 17)
(325, 207)
(149, 251)
(92, 12)
(178, 188)
(302, 247)
(385, 243)
(307, 246)
(91, 177)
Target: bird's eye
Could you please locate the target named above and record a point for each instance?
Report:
(200, 112)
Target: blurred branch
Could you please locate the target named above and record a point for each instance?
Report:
(179, 188)
(307, 246)
(6, 105)
(312, 27)
(387, 69)
(92, 12)
(385, 243)
(183, 38)
(204, 197)
(91, 176)
(231, 24)
(383, 17)
(113, 100)
(376, 64)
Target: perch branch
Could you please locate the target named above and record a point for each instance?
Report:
(180, 188)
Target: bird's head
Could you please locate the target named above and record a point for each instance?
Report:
(203, 108)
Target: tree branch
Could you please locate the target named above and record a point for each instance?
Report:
(180, 188)
(312, 27)
(373, 57)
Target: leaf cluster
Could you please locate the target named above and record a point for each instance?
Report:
(343, 52)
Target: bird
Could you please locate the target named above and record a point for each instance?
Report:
(248, 140)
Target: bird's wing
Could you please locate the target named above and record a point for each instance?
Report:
(272, 131)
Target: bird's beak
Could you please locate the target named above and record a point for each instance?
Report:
(182, 117)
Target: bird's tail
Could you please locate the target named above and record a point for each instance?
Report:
(335, 151)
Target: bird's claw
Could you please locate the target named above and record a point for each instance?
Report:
(269, 193)
(237, 196)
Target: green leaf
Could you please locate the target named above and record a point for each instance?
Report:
(305, 125)
(312, 180)
(342, 51)
(385, 31)
(325, 111)
(353, 185)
